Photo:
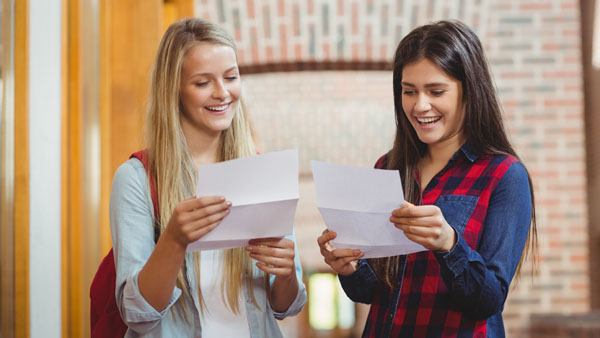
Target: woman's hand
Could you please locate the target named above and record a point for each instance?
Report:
(425, 224)
(274, 256)
(195, 217)
(191, 219)
(342, 261)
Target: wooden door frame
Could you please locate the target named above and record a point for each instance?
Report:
(14, 199)
(126, 46)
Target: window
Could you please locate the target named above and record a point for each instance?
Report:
(328, 306)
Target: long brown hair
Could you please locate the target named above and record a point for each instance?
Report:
(170, 161)
(456, 50)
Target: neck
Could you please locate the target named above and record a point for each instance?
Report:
(204, 148)
(442, 152)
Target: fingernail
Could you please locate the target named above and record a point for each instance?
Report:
(221, 198)
(356, 252)
(228, 203)
(249, 248)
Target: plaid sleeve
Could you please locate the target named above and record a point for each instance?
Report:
(479, 279)
(360, 285)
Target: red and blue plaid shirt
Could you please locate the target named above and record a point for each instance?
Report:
(461, 292)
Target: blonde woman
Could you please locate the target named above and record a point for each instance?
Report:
(195, 117)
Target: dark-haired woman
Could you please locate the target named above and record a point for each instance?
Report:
(469, 199)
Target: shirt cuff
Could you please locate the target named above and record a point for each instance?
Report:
(363, 272)
(457, 258)
(296, 305)
(138, 310)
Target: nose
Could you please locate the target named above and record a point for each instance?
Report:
(220, 91)
(422, 104)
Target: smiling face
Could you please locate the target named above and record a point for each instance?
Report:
(432, 102)
(210, 88)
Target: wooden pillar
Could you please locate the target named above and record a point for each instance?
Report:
(591, 78)
(21, 182)
(14, 169)
(73, 295)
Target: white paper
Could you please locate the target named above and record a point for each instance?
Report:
(263, 190)
(357, 203)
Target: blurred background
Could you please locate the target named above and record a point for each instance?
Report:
(317, 77)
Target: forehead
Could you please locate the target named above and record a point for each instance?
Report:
(208, 57)
(424, 71)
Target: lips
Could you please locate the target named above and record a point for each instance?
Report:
(218, 109)
(428, 119)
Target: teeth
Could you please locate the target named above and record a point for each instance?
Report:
(428, 119)
(218, 108)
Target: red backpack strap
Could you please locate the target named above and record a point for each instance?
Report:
(142, 155)
(105, 319)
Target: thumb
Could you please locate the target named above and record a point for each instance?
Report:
(406, 204)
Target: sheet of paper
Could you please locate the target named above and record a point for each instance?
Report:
(263, 190)
(357, 203)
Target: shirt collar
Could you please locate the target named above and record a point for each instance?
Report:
(468, 151)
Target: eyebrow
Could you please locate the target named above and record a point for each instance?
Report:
(428, 85)
(208, 74)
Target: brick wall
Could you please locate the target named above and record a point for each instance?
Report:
(534, 50)
(535, 54)
(270, 31)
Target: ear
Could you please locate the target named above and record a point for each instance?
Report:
(181, 110)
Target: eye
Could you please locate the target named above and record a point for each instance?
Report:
(232, 77)
(201, 84)
(438, 92)
(407, 92)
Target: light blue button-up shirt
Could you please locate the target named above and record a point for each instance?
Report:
(131, 223)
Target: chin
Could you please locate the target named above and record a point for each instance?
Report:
(220, 127)
(429, 140)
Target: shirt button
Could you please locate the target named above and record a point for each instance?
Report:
(390, 316)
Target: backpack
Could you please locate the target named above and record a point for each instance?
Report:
(105, 318)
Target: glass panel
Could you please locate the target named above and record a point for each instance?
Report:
(321, 302)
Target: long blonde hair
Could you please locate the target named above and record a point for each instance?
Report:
(169, 158)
